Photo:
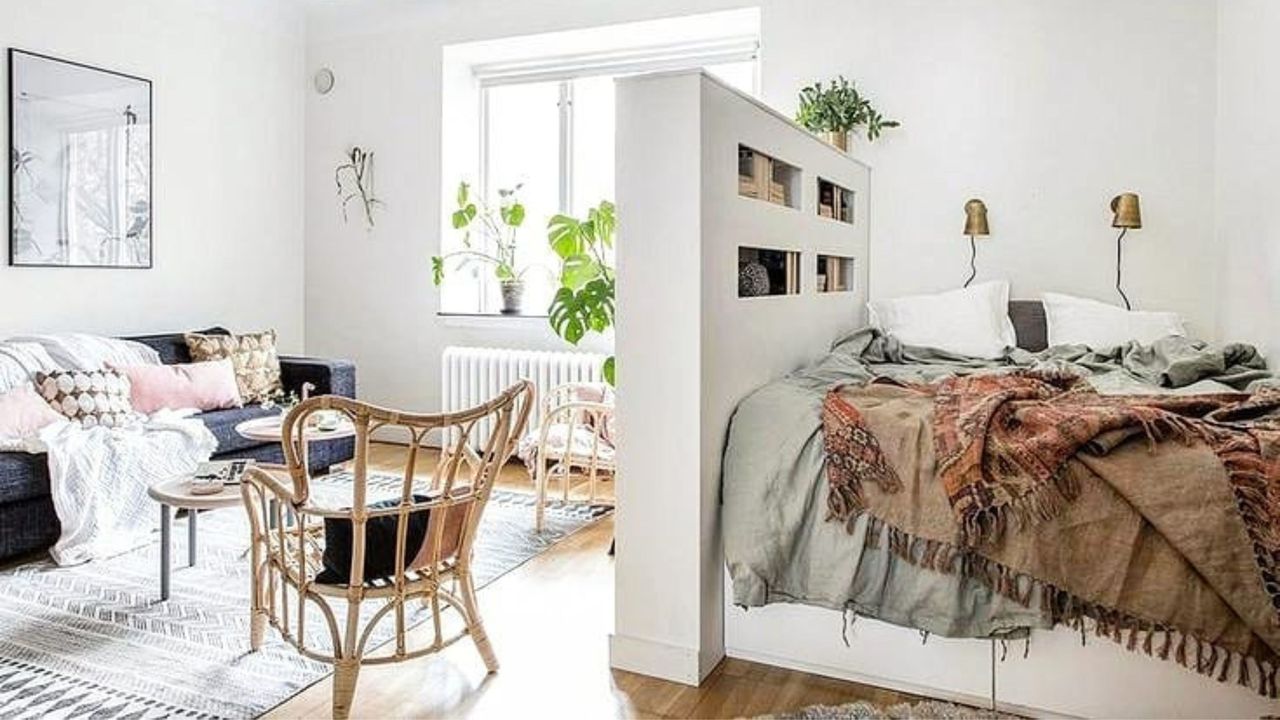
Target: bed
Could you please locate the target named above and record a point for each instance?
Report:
(1185, 574)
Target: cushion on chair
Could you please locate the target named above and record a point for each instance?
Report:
(602, 393)
(558, 438)
(380, 540)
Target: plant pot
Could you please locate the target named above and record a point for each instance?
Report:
(512, 296)
(840, 139)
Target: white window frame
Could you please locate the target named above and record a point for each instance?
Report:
(564, 69)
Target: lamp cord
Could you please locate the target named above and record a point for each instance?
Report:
(1119, 245)
(973, 261)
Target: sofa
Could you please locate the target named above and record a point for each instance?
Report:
(28, 521)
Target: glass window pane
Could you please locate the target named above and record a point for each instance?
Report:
(523, 150)
(593, 123)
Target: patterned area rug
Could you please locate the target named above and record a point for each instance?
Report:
(94, 641)
(925, 710)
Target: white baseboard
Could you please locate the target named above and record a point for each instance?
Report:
(887, 683)
(668, 662)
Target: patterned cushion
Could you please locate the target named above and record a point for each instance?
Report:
(254, 356)
(97, 397)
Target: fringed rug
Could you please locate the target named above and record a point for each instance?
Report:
(95, 641)
(925, 710)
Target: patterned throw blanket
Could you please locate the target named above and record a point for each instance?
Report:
(1025, 481)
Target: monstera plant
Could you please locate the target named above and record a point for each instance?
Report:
(584, 303)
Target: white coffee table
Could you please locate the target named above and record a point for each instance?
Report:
(174, 494)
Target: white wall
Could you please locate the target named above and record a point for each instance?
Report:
(1045, 109)
(227, 92)
(1248, 229)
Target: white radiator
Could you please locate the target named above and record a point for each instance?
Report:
(471, 376)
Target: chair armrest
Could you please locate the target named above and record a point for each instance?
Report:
(261, 477)
(592, 417)
(577, 410)
(330, 377)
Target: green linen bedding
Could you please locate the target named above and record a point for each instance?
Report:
(780, 545)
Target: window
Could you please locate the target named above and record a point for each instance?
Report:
(546, 125)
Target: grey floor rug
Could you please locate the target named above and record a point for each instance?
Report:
(95, 642)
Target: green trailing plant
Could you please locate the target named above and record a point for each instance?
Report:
(585, 300)
(839, 107)
(497, 225)
(358, 172)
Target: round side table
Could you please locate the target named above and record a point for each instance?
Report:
(270, 429)
(175, 494)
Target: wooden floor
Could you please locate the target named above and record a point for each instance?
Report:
(550, 621)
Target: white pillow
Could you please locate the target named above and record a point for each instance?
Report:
(972, 321)
(1078, 321)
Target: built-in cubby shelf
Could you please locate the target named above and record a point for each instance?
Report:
(767, 178)
(835, 273)
(834, 201)
(763, 272)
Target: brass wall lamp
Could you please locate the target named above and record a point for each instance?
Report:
(1126, 214)
(975, 223)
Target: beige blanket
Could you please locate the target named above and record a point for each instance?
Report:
(1149, 545)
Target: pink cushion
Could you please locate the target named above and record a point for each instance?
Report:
(203, 386)
(23, 412)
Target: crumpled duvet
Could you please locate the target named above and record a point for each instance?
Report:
(99, 478)
(779, 548)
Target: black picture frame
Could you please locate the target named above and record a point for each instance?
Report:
(11, 54)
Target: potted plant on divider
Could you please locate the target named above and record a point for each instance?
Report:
(833, 111)
(585, 300)
(497, 225)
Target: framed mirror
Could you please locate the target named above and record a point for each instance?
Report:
(80, 165)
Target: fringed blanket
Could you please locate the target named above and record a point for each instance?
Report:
(1026, 482)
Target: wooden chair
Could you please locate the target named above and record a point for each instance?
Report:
(288, 532)
(574, 438)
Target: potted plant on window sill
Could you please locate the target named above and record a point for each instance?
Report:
(584, 302)
(833, 111)
(498, 227)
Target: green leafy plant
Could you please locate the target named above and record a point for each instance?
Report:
(839, 107)
(498, 225)
(585, 301)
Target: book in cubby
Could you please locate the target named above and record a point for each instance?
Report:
(834, 201)
(835, 273)
(763, 177)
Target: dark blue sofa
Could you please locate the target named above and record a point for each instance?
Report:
(27, 518)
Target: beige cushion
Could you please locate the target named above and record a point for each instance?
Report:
(253, 355)
(558, 437)
(98, 397)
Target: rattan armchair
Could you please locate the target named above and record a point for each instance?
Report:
(574, 438)
(287, 520)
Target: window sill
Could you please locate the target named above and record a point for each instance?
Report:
(492, 320)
